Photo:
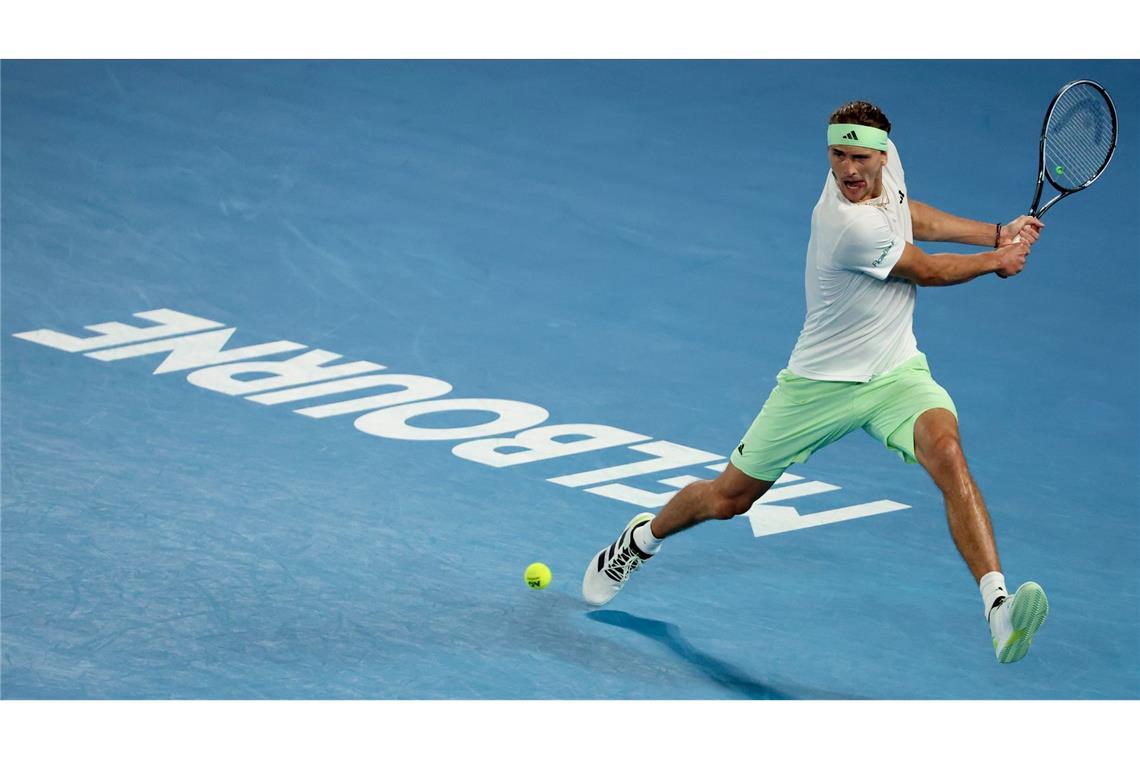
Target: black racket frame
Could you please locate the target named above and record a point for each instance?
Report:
(1042, 174)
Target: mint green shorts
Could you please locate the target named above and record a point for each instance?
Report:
(802, 416)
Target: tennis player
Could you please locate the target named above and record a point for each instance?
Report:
(857, 365)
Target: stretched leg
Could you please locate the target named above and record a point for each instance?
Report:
(938, 448)
(1013, 619)
(732, 493)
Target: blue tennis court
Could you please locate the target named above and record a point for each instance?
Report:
(298, 467)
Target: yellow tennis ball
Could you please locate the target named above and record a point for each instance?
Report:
(537, 575)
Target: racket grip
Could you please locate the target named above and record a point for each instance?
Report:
(1016, 239)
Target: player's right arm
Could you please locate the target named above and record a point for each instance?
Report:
(937, 269)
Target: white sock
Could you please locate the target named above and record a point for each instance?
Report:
(645, 540)
(992, 586)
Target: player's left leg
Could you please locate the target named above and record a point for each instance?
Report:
(915, 416)
(1013, 618)
(938, 448)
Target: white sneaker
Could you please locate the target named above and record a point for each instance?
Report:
(612, 566)
(1014, 621)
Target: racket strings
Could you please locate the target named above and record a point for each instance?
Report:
(1079, 137)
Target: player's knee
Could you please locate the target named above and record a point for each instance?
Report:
(946, 451)
(727, 506)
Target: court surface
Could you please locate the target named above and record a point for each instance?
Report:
(616, 244)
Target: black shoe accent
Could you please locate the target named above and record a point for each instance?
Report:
(997, 603)
(633, 544)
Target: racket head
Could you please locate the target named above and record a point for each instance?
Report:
(1078, 137)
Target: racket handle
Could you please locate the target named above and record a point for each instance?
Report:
(1016, 239)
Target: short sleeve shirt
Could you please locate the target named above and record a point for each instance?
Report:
(859, 321)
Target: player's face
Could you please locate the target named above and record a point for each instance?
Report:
(858, 171)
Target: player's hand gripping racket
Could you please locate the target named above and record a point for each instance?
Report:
(1078, 138)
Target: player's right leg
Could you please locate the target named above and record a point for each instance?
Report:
(732, 493)
(799, 417)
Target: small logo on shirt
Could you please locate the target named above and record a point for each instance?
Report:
(901, 196)
(879, 260)
(740, 448)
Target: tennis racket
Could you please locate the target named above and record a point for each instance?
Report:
(1078, 138)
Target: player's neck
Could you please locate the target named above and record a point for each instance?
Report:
(873, 200)
(876, 191)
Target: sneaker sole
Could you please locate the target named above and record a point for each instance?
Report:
(1030, 608)
(639, 518)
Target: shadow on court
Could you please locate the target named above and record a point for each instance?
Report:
(669, 635)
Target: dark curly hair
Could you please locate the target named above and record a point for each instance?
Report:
(861, 112)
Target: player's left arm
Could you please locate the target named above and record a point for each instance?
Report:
(932, 224)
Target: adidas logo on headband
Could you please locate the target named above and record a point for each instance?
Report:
(855, 134)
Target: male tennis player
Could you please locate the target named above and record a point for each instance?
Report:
(857, 365)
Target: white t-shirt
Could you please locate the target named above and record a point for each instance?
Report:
(859, 322)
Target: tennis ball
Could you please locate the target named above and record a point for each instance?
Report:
(537, 575)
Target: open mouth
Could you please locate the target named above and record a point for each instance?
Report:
(854, 184)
